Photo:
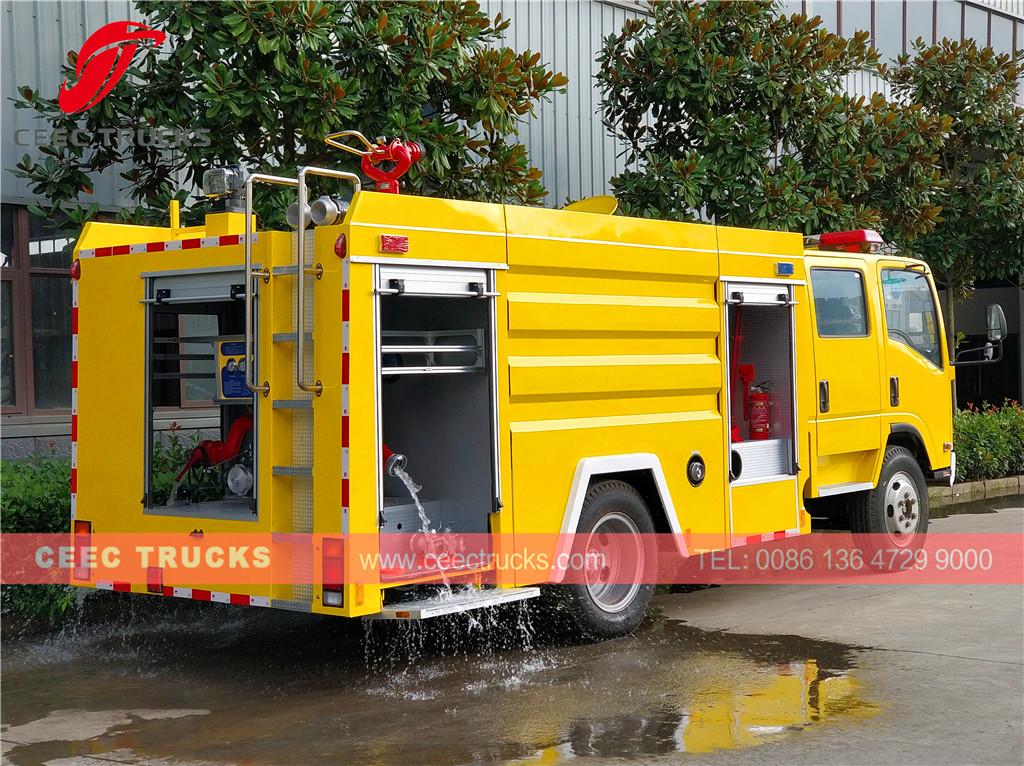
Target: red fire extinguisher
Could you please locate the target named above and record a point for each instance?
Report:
(760, 412)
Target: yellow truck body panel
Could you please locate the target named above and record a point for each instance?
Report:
(605, 342)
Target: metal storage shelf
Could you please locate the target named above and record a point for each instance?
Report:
(426, 349)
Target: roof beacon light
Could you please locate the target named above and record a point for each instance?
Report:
(857, 241)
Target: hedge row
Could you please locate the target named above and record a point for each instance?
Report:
(989, 442)
(35, 496)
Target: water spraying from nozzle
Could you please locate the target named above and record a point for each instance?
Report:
(394, 465)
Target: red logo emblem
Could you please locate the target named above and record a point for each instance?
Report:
(102, 62)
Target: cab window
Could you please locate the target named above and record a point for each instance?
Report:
(910, 312)
(839, 303)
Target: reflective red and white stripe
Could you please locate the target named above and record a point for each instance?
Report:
(767, 537)
(168, 246)
(101, 252)
(345, 285)
(195, 594)
(74, 398)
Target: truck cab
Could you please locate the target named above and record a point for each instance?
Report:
(884, 380)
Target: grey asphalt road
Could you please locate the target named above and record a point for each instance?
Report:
(945, 663)
(798, 674)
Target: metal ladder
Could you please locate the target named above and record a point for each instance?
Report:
(295, 396)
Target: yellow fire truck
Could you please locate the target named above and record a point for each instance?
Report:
(542, 372)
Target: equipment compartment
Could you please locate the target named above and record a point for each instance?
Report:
(761, 382)
(195, 358)
(437, 409)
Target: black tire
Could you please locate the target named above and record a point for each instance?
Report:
(872, 514)
(579, 611)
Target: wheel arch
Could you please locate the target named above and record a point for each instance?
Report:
(642, 471)
(907, 436)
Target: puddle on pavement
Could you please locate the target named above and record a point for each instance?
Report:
(227, 685)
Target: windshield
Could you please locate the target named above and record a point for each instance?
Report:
(910, 312)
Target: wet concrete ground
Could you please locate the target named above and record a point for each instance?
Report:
(761, 674)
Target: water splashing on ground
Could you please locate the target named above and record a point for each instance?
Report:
(433, 692)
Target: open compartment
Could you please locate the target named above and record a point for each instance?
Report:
(195, 357)
(437, 403)
(761, 382)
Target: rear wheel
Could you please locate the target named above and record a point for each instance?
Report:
(612, 546)
(894, 513)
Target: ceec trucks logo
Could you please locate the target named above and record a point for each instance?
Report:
(102, 61)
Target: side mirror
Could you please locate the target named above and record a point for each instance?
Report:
(995, 322)
(991, 352)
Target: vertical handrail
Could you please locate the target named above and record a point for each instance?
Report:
(263, 273)
(300, 272)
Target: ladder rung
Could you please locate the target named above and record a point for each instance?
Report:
(290, 337)
(292, 470)
(293, 404)
(285, 270)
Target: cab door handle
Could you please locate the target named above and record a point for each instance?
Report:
(894, 391)
(823, 396)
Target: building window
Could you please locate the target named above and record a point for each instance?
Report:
(36, 314)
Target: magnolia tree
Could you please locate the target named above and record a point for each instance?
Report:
(261, 83)
(980, 231)
(732, 112)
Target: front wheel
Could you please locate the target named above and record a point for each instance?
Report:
(897, 508)
(612, 541)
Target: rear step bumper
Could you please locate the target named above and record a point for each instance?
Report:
(461, 602)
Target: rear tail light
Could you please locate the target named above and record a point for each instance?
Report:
(76, 269)
(82, 543)
(154, 580)
(333, 572)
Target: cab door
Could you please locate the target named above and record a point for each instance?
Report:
(917, 372)
(847, 374)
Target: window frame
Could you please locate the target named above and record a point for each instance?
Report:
(864, 302)
(939, 340)
(20, 274)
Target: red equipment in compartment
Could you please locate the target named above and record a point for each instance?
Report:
(757, 408)
(211, 452)
(760, 413)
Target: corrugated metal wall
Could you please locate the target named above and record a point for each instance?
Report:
(34, 40)
(1013, 7)
(566, 138)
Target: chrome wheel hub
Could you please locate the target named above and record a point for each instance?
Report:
(614, 562)
(902, 509)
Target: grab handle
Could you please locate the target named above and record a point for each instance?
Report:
(262, 273)
(300, 294)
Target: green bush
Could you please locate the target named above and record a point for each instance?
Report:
(35, 496)
(989, 441)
